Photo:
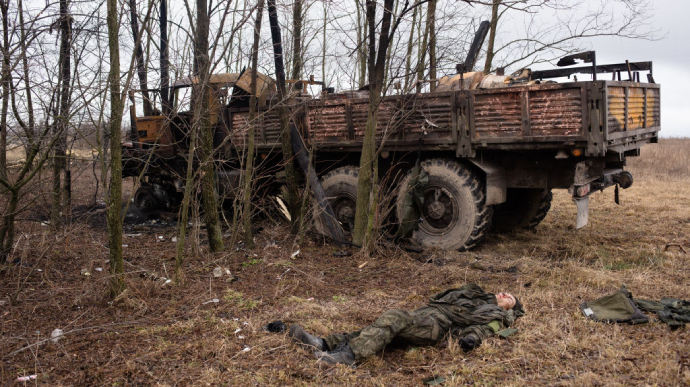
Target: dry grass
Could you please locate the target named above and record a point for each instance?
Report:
(170, 336)
(670, 158)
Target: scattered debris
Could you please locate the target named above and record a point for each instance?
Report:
(275, 327)
(85, 272)
(282, 275)
(174, 239)
(153, 277)
(362, 265)
(20, 262)
(282, 208)
(56, 335)
(221, 271)
(246, 349)
(507, 332)
(295, 254)
(434, 380)
(310, 299)
(213, 301)
(133, 235)
(99, 269)
(27, 378)
(678, 245)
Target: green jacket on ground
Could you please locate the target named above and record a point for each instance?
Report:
(621, 307)
(465, 312)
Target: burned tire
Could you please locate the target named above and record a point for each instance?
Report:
(145, 200)
(340, 186)
(152, 197)
(454, 215)
(524, 208)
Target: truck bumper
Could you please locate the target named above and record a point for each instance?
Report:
(581, 190)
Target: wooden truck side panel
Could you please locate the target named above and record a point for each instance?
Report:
(596, 116)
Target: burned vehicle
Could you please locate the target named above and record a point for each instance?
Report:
(492, 147)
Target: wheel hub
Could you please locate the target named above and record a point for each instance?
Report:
(344, 211)
(439, 210)
(436, 210)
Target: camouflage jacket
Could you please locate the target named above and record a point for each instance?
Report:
(472, 311)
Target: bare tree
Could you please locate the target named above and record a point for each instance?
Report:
(368, 166)
(202, 110)
(249, 163)
(5, 79)
(164, 59)
(290, 173)
(141, 64)
(117, 283)
(297, 39)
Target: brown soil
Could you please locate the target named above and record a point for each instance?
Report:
(170, 334)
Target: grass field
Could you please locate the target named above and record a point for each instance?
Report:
(176, 335)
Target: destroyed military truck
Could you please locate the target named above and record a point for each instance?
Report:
(491, 147)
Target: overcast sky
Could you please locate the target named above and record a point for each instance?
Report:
(671, 57)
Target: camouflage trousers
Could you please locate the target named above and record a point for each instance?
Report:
(424, 326)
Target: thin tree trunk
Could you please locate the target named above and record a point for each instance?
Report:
(61, 121)
(141, 64)
(408, 57)
(5, 78)
(390, 48)
(492, 37)
(323, 48)
(164, 62)
(30, 130)
(366, 184)
(114, 219)
(421, 56)
(249, 164)
(290, 173)
(361, 48)
(202, 115)
(297, 39)
(431, 23)
(184, 211)
(7, 226)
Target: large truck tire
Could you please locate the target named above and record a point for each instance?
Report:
(454, 214)
(150, 198)
(524, 208)
(145, 200)
(340, 186)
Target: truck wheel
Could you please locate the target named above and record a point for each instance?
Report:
(340, 186)
(145, 200)
(454, 215)
(524, 208)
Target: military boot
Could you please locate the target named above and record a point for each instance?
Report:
(300, 335)
(342, 355)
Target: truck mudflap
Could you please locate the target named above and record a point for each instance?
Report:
(582, 189)
(582, 212)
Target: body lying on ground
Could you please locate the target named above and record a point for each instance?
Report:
(468, 314)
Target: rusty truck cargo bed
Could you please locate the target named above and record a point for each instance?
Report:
(597, 116)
